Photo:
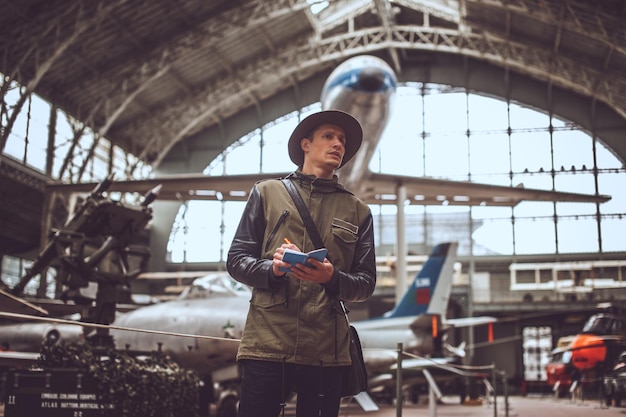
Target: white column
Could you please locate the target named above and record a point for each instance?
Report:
(401, 248)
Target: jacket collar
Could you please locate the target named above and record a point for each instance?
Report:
(324, 185)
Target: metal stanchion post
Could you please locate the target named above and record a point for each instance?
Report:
(506, 394)
(432, 402)
(495, 390)
(399, 394)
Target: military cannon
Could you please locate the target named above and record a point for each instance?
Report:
(97, 244)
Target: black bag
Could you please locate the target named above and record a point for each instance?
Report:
(355, 378)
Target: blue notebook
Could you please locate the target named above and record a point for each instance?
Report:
(295, 257)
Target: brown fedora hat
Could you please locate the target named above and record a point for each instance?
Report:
(350, 125)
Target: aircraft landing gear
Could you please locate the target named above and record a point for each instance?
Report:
(227, 405)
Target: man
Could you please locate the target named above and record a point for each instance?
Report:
(296, 336)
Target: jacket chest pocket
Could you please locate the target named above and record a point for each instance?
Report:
(345, 231)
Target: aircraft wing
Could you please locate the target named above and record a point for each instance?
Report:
(181, 187)
(418, 364)
(470, 321)
(384, 361)
(382, 188)
(421, 321)
(395, 323)
(414, 371)
(18, 359)
(375, 189)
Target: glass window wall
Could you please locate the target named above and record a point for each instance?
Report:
(450, 133)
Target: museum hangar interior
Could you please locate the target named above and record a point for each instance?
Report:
(150, 90)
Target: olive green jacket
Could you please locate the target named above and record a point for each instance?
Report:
(288, 319)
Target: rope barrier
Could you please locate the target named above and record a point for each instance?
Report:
(110, 326)
(459, 368)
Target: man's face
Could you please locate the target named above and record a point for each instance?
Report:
(326, 148)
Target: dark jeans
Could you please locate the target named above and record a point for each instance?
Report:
(266, 385)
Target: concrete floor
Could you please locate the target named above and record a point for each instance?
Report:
(531, 406)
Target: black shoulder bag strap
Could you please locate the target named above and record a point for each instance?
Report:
(314, 234)
(311, 229)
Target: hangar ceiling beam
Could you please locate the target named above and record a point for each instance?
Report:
(559, 32)
(383, 9)
(235, 75)
(585, 20)
(439, 9)
(337, 13)
(117, 109)
(78, 130)
(589, 23)
(495, 31)
(48, 56)
(210, 33)
(226, 96)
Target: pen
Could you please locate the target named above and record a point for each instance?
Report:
(287, 241)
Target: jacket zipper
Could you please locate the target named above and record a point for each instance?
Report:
(280, 221)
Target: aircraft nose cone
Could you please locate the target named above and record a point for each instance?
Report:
(371, 79)
(587, 351)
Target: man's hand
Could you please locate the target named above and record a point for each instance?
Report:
(321, 272)
(277, 262)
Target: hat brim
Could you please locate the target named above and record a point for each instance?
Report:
(350, 125)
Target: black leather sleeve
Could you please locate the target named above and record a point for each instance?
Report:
(359, 283)
(244, 262)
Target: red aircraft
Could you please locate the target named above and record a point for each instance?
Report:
(597, 347)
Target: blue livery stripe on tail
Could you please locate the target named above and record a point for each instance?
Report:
(437, 270)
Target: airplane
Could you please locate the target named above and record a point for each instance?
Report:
(422, 306)
(558, 369)
(588, 356)
(419, 321)
(600, 342)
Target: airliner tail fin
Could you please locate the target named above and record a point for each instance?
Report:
(430, 291)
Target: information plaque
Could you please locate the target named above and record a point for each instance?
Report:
(53, 393)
